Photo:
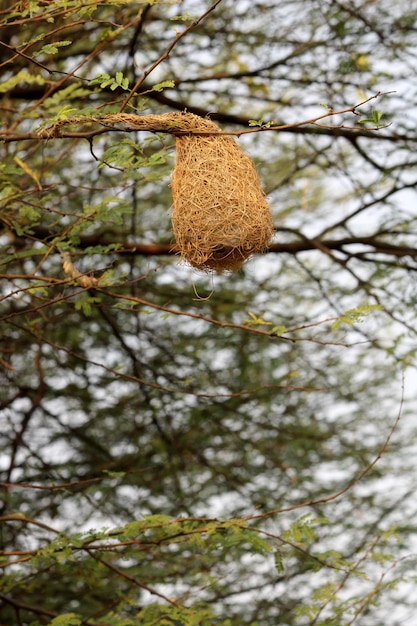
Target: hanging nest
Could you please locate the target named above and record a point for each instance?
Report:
(220, 216)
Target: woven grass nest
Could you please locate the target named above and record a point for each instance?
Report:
(220, 216)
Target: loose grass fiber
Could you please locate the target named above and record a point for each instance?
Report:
(220, 216)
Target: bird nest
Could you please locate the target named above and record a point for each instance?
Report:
(220, 215)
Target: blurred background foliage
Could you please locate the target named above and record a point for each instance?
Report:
(172, 441)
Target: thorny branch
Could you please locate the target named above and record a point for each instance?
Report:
(137, 123)
(90, 546)
(352, 483)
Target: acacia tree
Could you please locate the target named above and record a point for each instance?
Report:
(182, 448)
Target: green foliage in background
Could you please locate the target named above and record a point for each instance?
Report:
(180, 448)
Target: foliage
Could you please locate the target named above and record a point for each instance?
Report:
(188, 449)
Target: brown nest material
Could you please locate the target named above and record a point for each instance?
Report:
(220, 216)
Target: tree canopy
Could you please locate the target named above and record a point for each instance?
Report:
(184, 448)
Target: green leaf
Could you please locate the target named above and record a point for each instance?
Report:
(256, 122)
(278, 330)
(29, 215)
(84, 303)
(279, 564)
(261, 123)
(21, 77)
(166, 84)
(105, 80)
(375, 118)
(186, 17)
(39, 291)
(114, 474)
(254, 320)
(52, 48)
(67, 619)
(63, 114)
(355, 316)
(72, 92)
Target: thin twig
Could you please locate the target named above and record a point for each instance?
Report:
(167, 52)
(351, 484)
(160, 124)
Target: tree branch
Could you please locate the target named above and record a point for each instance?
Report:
(303, 244)
(167, 52)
